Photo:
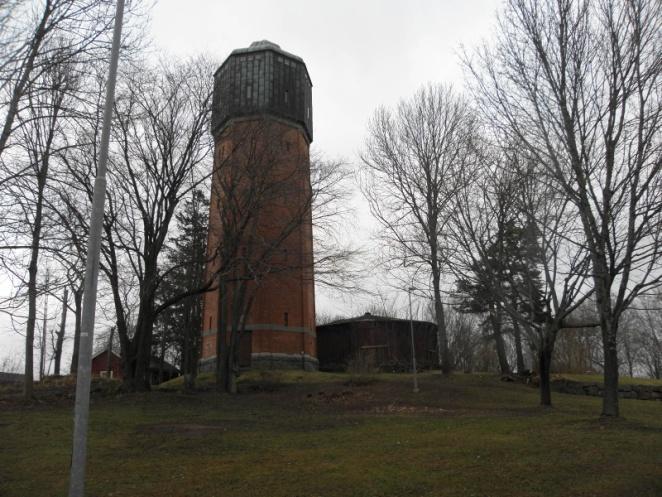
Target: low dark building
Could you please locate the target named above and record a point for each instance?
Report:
(11, 377)
(375, 342)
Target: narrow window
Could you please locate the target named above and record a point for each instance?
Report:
(210, 322)
(285, 97)
(285, 319)
(249, 92)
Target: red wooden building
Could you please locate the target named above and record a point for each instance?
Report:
(103, 365)
(111, 367)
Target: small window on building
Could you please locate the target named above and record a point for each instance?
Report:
(249, 92)
(285, 319)
(286, 96)
(210, 322)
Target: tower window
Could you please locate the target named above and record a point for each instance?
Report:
(285, 319)
(210, 322)
(249, 92)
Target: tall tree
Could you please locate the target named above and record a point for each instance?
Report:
(576, 82)
(187, 255)
(42, 135)
(162, 133)
(540, 287)
(37, 36)
(415, 158)
(161, 152)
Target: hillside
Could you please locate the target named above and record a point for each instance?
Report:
(334, 435)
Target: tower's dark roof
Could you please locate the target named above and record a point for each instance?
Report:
(372, 317)
(261, 46)
(258, 46)
(263, 80)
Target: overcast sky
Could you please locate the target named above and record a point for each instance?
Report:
(360, 55)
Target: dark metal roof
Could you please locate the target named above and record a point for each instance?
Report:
(261, 46)
(368, 317)
(257, 46)
(262, 80)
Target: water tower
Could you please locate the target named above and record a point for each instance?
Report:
(262, 127)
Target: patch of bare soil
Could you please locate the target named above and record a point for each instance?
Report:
(187, 429)
(409, 409)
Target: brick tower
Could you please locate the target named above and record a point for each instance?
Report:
(260, 227)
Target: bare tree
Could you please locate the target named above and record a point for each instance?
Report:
(26, 224)
(415, 157)
(552, 285)
(648, 335)
(181, 323)
(35, 37)
(162, 130)
(162, 152)
(576, 82)
(59, 334)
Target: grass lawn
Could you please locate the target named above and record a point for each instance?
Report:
(313, 434)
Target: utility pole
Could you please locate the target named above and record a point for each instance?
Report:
(413, 348)
(83, 377)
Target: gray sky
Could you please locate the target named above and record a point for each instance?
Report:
(360, 55)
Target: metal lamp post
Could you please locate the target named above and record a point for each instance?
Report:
(83, 377)
(413, 348)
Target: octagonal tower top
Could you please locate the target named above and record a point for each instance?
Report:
(263, 80)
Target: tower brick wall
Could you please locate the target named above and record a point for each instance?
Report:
(260, 217)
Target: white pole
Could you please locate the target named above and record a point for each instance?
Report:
(413, 348)
(83, 378)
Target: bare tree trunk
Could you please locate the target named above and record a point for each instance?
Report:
(60, 334)
(517, 333)
(44, 333)
(109, 364)
(78, 309)
(221, 326)
(162, 354)
(442, 332)
(610, 407)
(496, 320)
(32, 283)
(545, 364)
(19, 91)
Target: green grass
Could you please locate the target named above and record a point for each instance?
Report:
(333, 435)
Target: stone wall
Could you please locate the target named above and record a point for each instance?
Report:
(641, 392)
(268, 360)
